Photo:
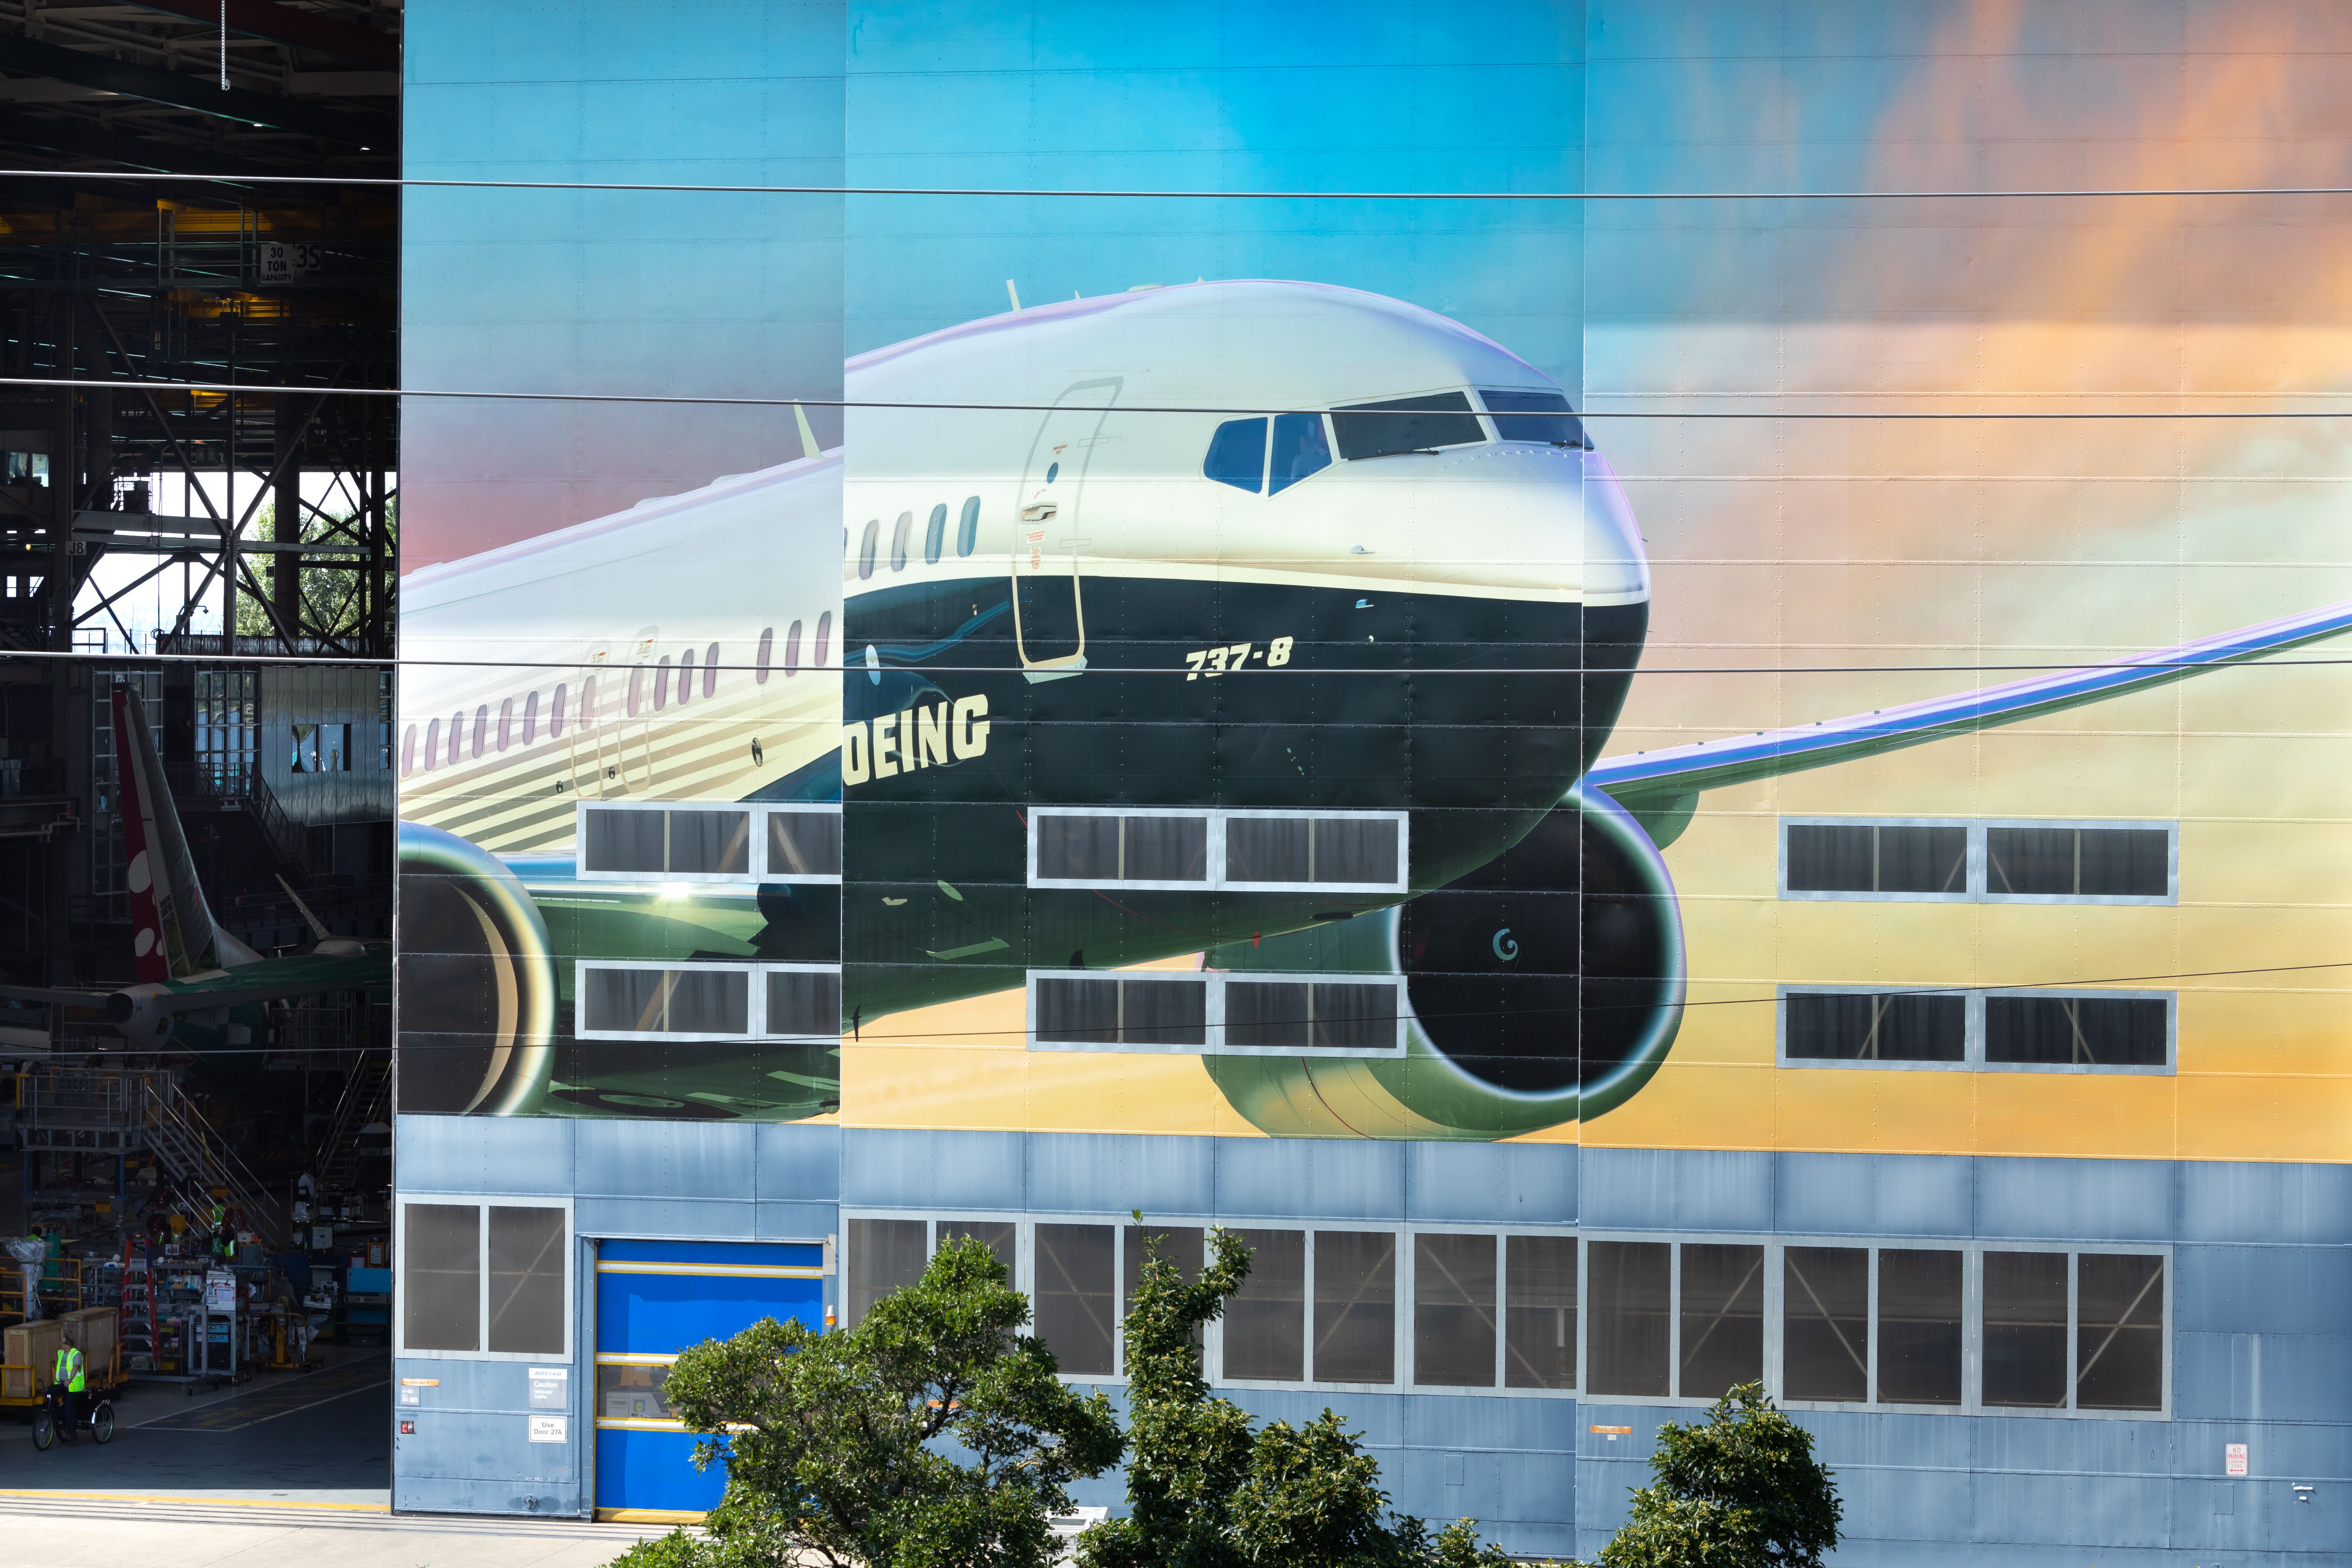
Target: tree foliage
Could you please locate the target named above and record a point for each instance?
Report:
(1205, 1489)
(330, 586)
(1742, 1490)
(933, 1435)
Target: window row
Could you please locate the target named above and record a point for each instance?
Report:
(1967, 1329)
(725, 844)
(520, 721)
(1215, 1013)
(1267, 455)
(484, 1278)
(2088, 1030)
(1963, 862)
(1338, 852)
(935, 533)
(626, 1001)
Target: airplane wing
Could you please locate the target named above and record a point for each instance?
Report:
(1659, 788)
(56, 995)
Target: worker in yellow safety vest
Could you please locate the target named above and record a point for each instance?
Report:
(71, 1377)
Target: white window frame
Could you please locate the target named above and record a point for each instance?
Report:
(1973, 1056)
(1214, 879)
(755, 1004)
(756, 858)
(484, 1202)
(1216, 979)
(1979, 890)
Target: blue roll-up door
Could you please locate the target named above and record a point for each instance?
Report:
(653, 1299)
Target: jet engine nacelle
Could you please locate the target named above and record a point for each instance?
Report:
(141, 1015)
(1543, 988)
(476, 982)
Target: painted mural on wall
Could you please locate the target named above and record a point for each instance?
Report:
(1651, 672)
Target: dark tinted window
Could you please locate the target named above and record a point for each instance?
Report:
(1919, 1327)
(1355, 1306)
(935, 535)
(1077, 1312)
(1237, 455)
(1406, 425)
(1265, 1326)
(441, 1262)
(805, 844)
(2078, 1031)
(1123, 848)
(803, 1002)
(1629, 1300)
(2079, 862)
(1453, 1310)
(1868, 857)
(2119, 1336)
(968, 526)
(1825, 1322)
(884, 1253)
(1112, 1012)
(1299, 449)
(1533, 417)
(1539, 1312)
(527, 1256)
(1723, 1318)
(623, 841)
(2025, 1329)
(710, 842)
(1887, 1028)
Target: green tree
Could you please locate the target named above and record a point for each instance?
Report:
(330, 586)
(1743, 1490)
(933, 1435)
(1207, 1490)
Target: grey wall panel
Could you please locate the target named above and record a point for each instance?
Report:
(672, 1159)
(2277, 1450)
(2261, 1377)
(689, 1219)
(1491, 1184)
(2311, 1204)
(1674, 1189)
(1469, 1422)
(1309, 1178)
(2076, 1200)
(1378, 1418)
(795, 1221)
(484, 1153)
(461, 1494)
(1088, 1172)
(2263, 1289)
(2063, 1444)
(799, 1164)
(2103, 1511)
(1900, 1503)
(1874, 1195)
(889, 1169)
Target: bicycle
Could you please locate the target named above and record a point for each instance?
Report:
(49, 1421)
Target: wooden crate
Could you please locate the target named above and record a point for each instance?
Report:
(30, 1353)
(96, 1330)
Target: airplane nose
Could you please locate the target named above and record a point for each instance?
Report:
(1616, 565)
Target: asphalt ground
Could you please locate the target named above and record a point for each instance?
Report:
(63, 1530)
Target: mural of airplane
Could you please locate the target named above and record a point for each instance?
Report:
(199, 988)
(1277, 623)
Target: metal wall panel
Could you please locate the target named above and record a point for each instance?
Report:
(2291, 1205)
(675, 1159)
(685, 1219)
(1874, 1195)
(1491, 1184)
(2263, 1289)
(1310, 1178)
(2076, 1200)
(1674, 1189)
(886, 1169)
(1087, 1173)
(799, 1164)
(484, 1154)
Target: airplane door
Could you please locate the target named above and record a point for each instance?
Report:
(587, 734)
(1049, 621)
(637, 729)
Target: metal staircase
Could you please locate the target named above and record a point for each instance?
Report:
(120, 1112)
(366, 1102)
(193, 1153)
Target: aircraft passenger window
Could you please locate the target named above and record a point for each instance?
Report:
(935, 535)
(506, 722)
(1863, 1027)
(767, 643)
(792, 651)
(531, 718)
(1299, 449)
(710, 670)
(456, 735)
(636, 688)
(803, 844)
(899, 536)
(2077, 1031)
(824, 636)
(1534, 416)
(685, 677)
(586, 719)
(661, 684)
(408, 751)
(867, 547)
(555, 715)
(968, 526)
(1406, 425)
(1237, 455)
(481, 731)
(804, 1001)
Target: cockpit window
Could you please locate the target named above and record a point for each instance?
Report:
(1406, 425)
(1237, 455)
(1534, 416)
(1299, 449)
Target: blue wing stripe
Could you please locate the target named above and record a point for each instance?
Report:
(1707, 764)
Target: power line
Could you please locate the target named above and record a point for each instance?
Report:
(2118, 192)
(273, 390)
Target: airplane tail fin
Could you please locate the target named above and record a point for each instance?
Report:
(174, 932)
